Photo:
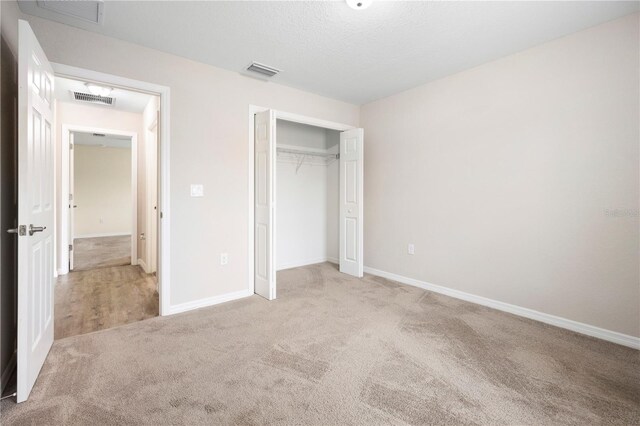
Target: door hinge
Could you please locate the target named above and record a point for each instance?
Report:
(70, 247)
(161, 215)
(20, 230)
(70, 146)
(70, 197)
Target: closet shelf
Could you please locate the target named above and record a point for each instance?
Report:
(302, 157)
(307, 153)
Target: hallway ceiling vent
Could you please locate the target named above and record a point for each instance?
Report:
(264, 70)
(87, 10)
(94, 99)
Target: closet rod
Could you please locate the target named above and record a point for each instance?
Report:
(301, 152)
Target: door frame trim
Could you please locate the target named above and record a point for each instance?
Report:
(278, 115)
(65, 176)
(164, 143)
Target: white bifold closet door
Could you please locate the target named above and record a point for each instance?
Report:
(351, 205)
(264, 232)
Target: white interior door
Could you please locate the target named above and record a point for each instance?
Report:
(351, 205)
(152, 179)
(264, 230)
(72, 201)
(35, 209)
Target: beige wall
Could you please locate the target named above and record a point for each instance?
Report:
(102, 191)
(103, 118)
(502, 177)
(209, 145)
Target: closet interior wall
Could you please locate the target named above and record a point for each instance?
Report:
(307, 195)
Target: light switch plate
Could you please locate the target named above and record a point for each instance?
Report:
(411, 249)
(197, 190)
(224, 258)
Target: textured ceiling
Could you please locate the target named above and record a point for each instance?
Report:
(330, 49)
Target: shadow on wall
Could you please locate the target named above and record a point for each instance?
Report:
(8, 211)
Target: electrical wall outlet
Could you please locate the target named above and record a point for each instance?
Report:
(224, 258)
(411, 249)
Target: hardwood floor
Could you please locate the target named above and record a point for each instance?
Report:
(97, 299)
(99, 252)
(104, 290)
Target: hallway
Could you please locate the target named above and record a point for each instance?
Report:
(100, 252)
(97, 299)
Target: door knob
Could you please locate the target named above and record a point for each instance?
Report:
(34, 229)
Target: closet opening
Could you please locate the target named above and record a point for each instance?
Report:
(307, 196)
(307, 199)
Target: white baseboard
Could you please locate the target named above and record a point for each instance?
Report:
(7, 372)
(578, 327)
(106, 234)
(143, 266)
(210, 301)
(292, 265)
(333, 260)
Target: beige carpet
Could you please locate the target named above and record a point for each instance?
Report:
(335, 350)
(101, 252)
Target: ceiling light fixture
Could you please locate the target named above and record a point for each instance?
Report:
(99, 90)
(359, 4)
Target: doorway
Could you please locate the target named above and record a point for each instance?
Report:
(103, 194)
(110, 181)
(333, 226)
(158, 118)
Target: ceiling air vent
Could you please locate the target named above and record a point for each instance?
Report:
(94, 99)
(263, 69)
(87, 10)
